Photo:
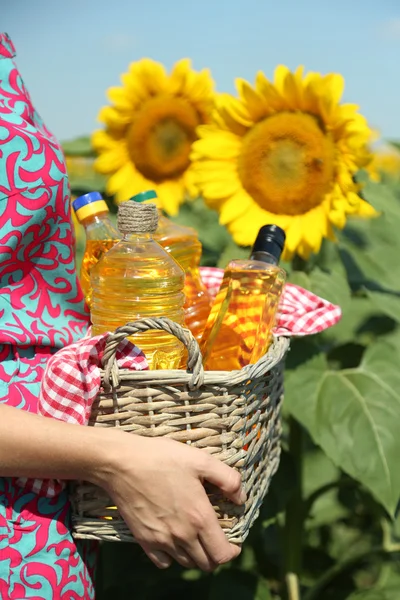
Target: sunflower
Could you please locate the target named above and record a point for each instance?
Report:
(284, 153)
(149, 131)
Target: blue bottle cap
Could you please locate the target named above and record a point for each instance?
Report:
(143, 196)
(86, 199)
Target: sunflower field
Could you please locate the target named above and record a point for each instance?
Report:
(287, 151)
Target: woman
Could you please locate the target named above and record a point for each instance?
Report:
(41, 310)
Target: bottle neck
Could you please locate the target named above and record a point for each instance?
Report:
(98, 218)
(137, 236)
(266, 257)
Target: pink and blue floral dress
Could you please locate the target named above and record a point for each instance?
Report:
(41, 310)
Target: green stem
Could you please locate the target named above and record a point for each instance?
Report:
(294, 514)
(342, 567)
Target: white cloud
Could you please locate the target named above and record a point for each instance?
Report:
(390, 29)
(117, 42)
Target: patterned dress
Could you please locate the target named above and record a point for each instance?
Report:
(41, 310)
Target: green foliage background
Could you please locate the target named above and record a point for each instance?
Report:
(331, 514)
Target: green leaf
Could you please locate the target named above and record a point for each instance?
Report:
(232, 251)
(388, 304)
(353, 415)
(305, 367)
(213, 236)
(358, 323)
(370, 247)
(331, 286)
(319, 471)
(301, 279)
(395, 144)
(80, 146)
(383, 358)
(329, 282)
(280, 490)
(238, 585)
(87, 182)
(391, 593)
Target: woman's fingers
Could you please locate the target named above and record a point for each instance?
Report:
(183, 558)
(161, 559)
(185, 528)
(214, 541)
(224, 478)
(173, 551)
(199, 556)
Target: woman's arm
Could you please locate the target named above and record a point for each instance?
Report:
(156, 483)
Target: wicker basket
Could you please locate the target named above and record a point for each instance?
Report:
(235, 416)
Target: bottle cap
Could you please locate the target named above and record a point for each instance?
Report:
(89, 205)
(137, 218)
(143, 196)
(270, 239)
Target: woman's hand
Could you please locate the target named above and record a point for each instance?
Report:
(157, 485)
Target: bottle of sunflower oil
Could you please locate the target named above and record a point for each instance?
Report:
(239, 328)
(101, 235)
(138, 279)
(185, 246)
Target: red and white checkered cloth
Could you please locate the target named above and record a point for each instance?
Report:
(72, 378)
(300, 312)
(70, 384)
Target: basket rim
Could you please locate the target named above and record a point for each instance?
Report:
(268, 361)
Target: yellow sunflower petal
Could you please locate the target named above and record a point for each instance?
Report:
(312, 93)
(337, 217)
(267, 90)
(191, 183)
(113, 118)
(218, 144)
(313, 226)
(256, 104)
(237, 118)
(147, 77)
(170, 194)
(120, 178)
(280, 75)
(135, 90)
(109, 162)
(153, 76)
(179, 75)
(245, 229)
(293, 235)
(102, 140)
(293, 89)
(119, 98)
(132, 186)
(366, 210)
(334, 87)
(234, 207)
(217, 182)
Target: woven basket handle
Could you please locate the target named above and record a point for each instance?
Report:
(194, 362)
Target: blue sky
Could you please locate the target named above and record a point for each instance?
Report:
(69, 53)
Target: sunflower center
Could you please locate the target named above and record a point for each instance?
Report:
(160, 137)
(287, 163)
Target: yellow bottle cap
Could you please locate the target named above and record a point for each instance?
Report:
(89, 205)
(91, 210)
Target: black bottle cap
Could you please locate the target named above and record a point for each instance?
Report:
(270, 239)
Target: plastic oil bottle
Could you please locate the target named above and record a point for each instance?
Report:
(137, 279)
(101, 235)
(184, 245)
(239, 328)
